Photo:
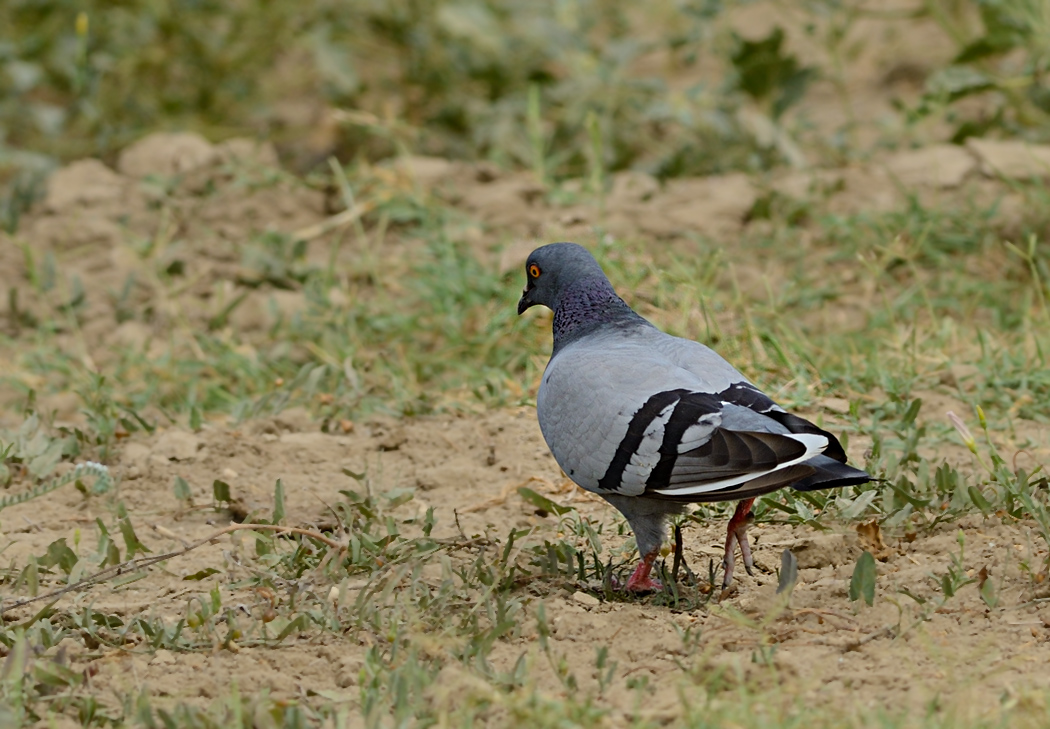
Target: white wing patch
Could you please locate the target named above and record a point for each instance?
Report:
(698, 434)
(647, 455)
(815, 445)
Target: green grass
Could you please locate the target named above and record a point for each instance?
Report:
(436, 332)
(468, 77)
(405, 314)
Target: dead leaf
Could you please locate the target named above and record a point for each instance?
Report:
(871, 538)
(982, 577)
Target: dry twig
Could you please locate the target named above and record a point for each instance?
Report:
(340, 220)
(137, 564)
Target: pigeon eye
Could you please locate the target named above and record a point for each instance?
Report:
(534, 271)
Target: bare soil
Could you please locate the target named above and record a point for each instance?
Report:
(826, 648)
(467, 468)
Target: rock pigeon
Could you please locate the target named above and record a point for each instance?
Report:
(652, 422)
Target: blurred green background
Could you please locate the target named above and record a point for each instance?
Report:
(562, 85)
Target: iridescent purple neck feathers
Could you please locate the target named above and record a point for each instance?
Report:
(587, 305)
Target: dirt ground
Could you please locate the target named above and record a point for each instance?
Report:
(827, 649)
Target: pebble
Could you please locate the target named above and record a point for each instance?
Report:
(586, 599)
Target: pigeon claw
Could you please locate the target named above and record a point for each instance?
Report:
(643, 585)
(737, 534)
(640, 581)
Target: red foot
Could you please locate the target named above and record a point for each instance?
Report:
(737, 534)
(639, 580)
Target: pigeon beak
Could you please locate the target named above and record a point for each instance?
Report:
(524, 302)
(526, 298)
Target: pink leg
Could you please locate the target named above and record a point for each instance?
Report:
(639, 580)
(737, 534)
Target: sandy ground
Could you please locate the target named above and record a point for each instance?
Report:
(822, 647)
(825, 646)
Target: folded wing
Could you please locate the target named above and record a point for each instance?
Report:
(695, 446)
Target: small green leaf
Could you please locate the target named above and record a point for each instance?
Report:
(859, 505)
(278, 502)
(989, 45)
(912, 412)
(788, 572)
(59, 555)
(905, 490)
(955, 82)
(57, 676)
(128, 425)
(221, 491)
(202, 574)
(107, 549)
(219, 320)
(195, 418)
(182, 490)
(987, 589)
(805, 513)
(1004, 30)
(765, 71)
(263, 545)
(947, 586)
(978, 500)
(129, 578)
(862, 585)
(43, 464)
(139, 422)
(300, 624)
(397, 497)
(106, 621)
(44, 612)
(131, 540)
(30, 577)
(912, 595)
(542, 502)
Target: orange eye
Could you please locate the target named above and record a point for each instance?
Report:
(534, 271)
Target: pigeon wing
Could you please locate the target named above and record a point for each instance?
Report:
(680, 445)
(730, 386)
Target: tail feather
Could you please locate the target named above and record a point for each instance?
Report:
(830, 474)
(763, 484)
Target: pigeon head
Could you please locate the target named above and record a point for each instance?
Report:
(554, 269)
(565, 278)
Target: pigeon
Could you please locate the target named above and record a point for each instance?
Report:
(651, 422)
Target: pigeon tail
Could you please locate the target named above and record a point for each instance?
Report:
(830, 474)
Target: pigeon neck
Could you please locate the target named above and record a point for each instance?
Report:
(586, 306)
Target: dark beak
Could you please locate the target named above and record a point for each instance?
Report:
(525, 302)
